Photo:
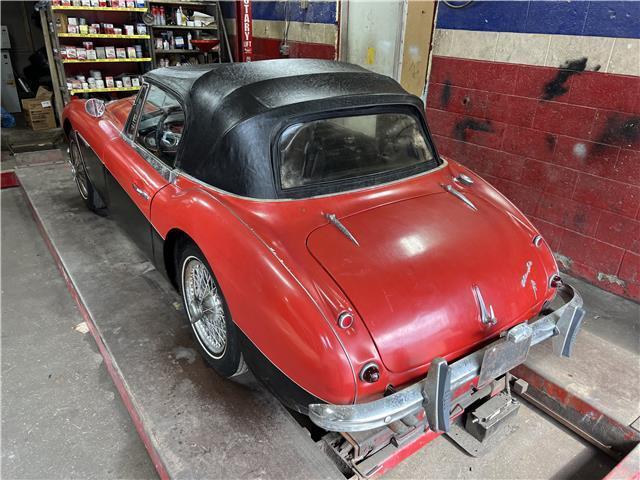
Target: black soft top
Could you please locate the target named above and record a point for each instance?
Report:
(234, 110)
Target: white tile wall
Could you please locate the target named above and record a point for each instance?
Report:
(620, 55)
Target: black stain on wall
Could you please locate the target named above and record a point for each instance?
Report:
(556, 87)
(445, 96)
(460, 129)
(551, 141)
(620, 130)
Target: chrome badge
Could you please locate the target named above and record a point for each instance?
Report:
(487, 316)
(523, 281)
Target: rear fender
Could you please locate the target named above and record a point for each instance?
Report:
(266, 300)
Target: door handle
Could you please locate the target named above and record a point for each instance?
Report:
(140, 191)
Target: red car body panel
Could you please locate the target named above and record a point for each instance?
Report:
(287, 274)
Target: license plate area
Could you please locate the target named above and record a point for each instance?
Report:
(506, 353)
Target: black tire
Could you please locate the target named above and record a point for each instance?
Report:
(88, 193)
(228, 362)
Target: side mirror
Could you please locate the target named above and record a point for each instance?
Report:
(94, 107)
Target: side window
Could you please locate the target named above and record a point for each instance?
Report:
(160, 125)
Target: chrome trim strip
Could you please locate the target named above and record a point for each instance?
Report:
(461, 196)
(325, 195)
(562, 325)
(331, 217)
(486, 316)
(158, 165)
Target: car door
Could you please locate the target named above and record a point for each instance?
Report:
(139, 167)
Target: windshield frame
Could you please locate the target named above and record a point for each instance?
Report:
(343, 185)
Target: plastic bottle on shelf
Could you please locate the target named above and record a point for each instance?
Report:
(179, 16)
(189, 45)
(163, 19)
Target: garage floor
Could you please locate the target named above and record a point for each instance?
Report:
(56, 371)
(61, 414)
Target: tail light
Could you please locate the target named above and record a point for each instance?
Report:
(370, 373)
(555, 281)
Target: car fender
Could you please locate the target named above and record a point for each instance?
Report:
(266, 300)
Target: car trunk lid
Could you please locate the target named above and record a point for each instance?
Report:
(411, 276)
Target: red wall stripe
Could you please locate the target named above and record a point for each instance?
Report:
(266, 48)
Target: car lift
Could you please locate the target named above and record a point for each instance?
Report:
(137, 323)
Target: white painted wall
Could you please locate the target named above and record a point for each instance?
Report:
(371, 35)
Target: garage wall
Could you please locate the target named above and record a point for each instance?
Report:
(313, 29)
(543, 100)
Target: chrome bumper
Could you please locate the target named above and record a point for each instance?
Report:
(435, 391)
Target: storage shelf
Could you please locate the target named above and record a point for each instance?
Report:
(105, 90)
(97, 9)
(102, 35)
(184, 27)
(107, 60)
(177, 3)
(177, 50)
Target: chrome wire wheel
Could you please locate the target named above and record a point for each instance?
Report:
(205, 307)
(79, 172)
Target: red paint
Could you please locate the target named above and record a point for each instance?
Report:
(108, 360)
(595, 89)
(621, 231)
(582, 147)
(588, 250)
(627, 168)
(528, 142)
(564, 119)
(245, 29)
(511, 109)
(287, 256)
(9, 179)
(630, 268)
(268, 48)
(568, 213)
(405, 452)
(606, 194)
(474, 74)
(548, 177)
(595, 158)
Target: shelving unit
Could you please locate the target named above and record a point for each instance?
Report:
(104, 90)
(62, 8)
(69, 68)
(55, 21)
(102, 35)
(107, 60)
(216, 31)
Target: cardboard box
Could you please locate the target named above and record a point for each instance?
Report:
(38, 112)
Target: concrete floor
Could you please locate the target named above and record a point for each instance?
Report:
(61, 414)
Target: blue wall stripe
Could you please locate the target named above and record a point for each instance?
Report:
(316, 11)
(583, 17)
(228, 8)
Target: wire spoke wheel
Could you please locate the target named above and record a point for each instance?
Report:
(204, 307)
(79, 172)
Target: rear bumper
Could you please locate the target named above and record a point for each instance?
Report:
(435, 391)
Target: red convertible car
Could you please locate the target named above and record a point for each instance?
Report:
(317, 237)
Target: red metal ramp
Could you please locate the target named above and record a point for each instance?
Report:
(597, 391)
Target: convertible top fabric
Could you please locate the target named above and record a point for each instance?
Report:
(216, 81)
(234, 111)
